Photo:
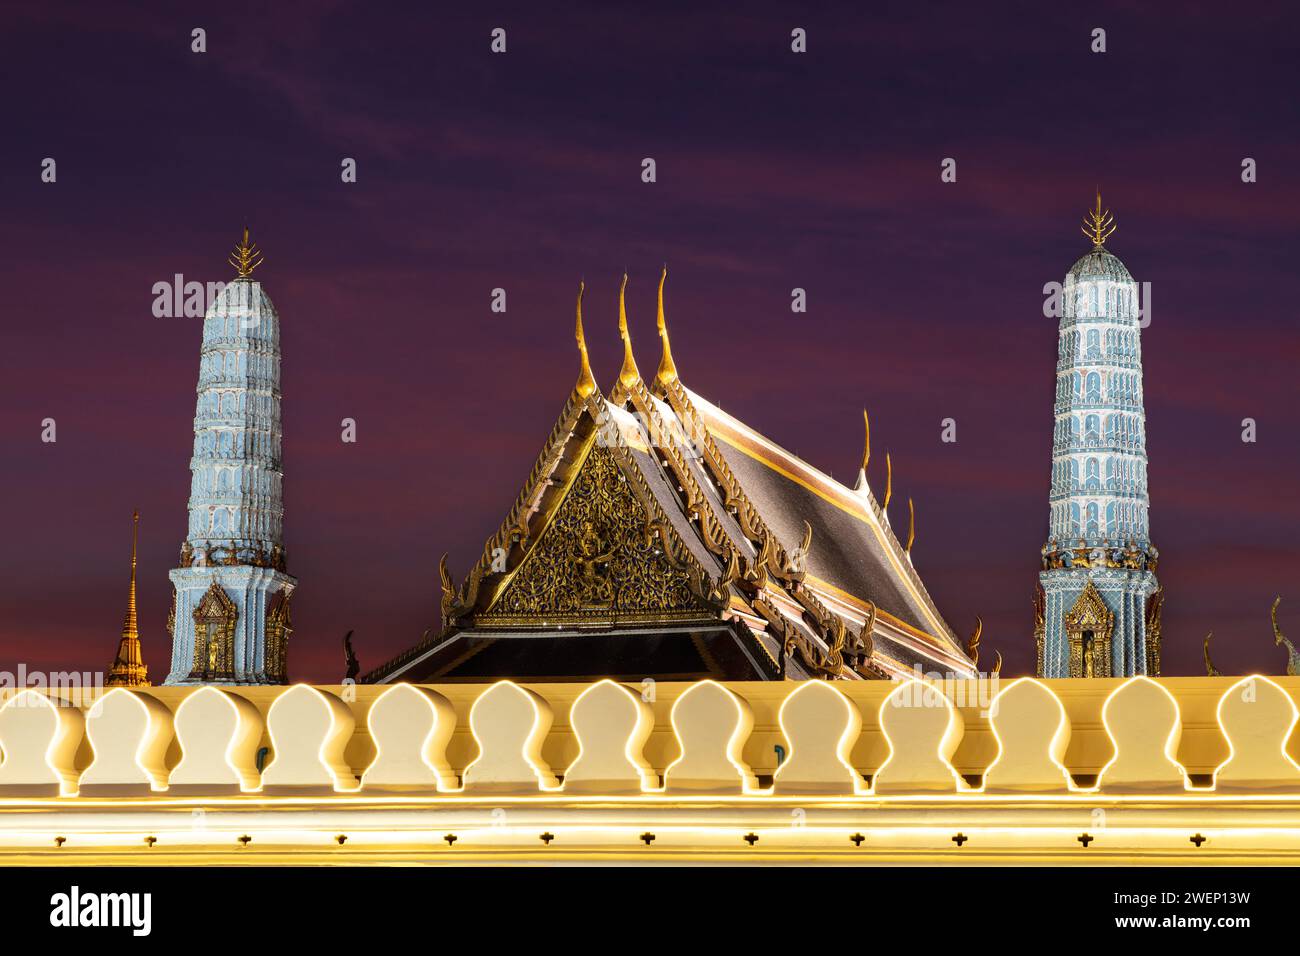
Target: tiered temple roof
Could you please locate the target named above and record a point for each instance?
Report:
(658, 537)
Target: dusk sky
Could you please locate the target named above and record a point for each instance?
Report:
(522, 171)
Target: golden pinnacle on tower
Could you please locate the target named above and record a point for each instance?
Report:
(1097, 225)
(586, 381)
(667, 370)
(246, 257)
(629, 375)
(128, 668)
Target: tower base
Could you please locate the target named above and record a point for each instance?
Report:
(229, 626)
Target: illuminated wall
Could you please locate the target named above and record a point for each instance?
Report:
(1193, 770)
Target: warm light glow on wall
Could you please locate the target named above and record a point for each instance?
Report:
(609, 805)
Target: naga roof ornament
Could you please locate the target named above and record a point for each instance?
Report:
(586, 381)
(667, 370)
(629, 375)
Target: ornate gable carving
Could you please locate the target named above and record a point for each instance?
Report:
(214, 636)
(1090, 625)
(1089, 610)
(597, 561)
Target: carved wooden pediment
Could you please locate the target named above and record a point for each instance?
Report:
(598, 559)
(1089, 611)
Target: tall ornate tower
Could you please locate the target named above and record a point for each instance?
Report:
(1098, 604)
(230, 613)
(128, 668)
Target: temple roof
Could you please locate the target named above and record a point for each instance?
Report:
(690, 545)
(854, 551)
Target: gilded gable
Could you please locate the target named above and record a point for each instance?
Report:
(596, 561)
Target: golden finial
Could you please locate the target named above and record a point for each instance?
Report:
(866, 442)
(973, 645)
(246, 256)
(1097, 225)
(629, 375)
(911, 526)
(586, 382)
(667, 370)
(997, 664)
(889, 483)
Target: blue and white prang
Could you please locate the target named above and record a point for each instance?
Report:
(1098, 606)
(230, 619)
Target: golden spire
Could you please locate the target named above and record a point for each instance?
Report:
(128, 668)
(586, 382)
(667, 370)
(866, 443)
(246, 256)
(911, 526)
(129, 625)
(629, 375)
(1097, 225)
(889, 483)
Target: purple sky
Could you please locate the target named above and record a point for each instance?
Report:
(522, 171)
